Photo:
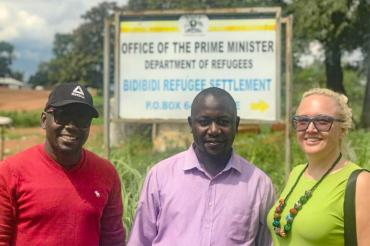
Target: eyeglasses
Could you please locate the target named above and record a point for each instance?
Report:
(322, 123)
(64, 117)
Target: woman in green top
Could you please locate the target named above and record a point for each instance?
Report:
(310, 209)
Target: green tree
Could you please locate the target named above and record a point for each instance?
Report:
(88, 41)
(78, 56)
(63, 44)
(191, 4)
(6, 58)
(41, 77)
(330, 22)
(365, 117)
(6, 61)
(17, 75)
(363, 32)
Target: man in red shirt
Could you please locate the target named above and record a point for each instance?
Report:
(59, 193)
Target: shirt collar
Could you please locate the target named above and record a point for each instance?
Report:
(191, 161)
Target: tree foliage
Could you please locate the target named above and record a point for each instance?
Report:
(330, 22)
(339, 25)
(78, 56)
(6, 58)
(41, 76)
(363, 32)
(191, 4)
(63, 44)
(6, 61)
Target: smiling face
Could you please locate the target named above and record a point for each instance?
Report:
(69, 137)
(214, 125)
(319, 143)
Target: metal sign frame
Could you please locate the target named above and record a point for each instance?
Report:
(250, 13)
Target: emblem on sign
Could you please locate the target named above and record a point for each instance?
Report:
(194, 24)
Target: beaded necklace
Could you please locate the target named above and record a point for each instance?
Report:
(282, 232)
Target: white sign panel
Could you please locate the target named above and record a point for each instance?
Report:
(165, 63)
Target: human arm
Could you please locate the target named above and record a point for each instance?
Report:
(7, 209)
(264, 236)
(144, 229)
(362, 211)
(112, 232)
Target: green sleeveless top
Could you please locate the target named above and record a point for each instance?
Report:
(320, 221)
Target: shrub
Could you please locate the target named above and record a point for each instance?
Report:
(23, 118)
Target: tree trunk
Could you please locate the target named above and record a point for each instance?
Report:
(333, 68)
(365, 117)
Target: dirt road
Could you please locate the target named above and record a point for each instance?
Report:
(22, 100)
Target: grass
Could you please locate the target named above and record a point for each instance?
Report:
(360, 147)
(23, 118)
(265, 150)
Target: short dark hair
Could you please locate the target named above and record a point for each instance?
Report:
(216, 92)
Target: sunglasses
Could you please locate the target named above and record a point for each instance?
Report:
(65, 117)
(322, 123)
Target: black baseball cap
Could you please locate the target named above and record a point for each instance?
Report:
(68, 93)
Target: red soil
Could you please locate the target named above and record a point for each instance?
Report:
(22, 100)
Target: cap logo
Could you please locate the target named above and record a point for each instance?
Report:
(78, 92)
(97, 193)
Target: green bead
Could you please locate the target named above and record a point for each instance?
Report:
(303, 199)
(308, 193)
(287, 227)
(276, 223)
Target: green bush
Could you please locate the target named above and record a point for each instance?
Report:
(23, 118)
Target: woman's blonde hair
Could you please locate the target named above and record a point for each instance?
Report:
(344, 111)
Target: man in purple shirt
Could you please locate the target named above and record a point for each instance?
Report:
(206, 195)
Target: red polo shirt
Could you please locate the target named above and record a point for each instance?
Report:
(41, 203)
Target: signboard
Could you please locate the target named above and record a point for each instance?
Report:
(165, 62)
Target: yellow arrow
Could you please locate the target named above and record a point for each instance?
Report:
(259, 106)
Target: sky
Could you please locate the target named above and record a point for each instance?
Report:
(30, 26)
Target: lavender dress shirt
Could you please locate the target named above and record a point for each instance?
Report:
(180, 204)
